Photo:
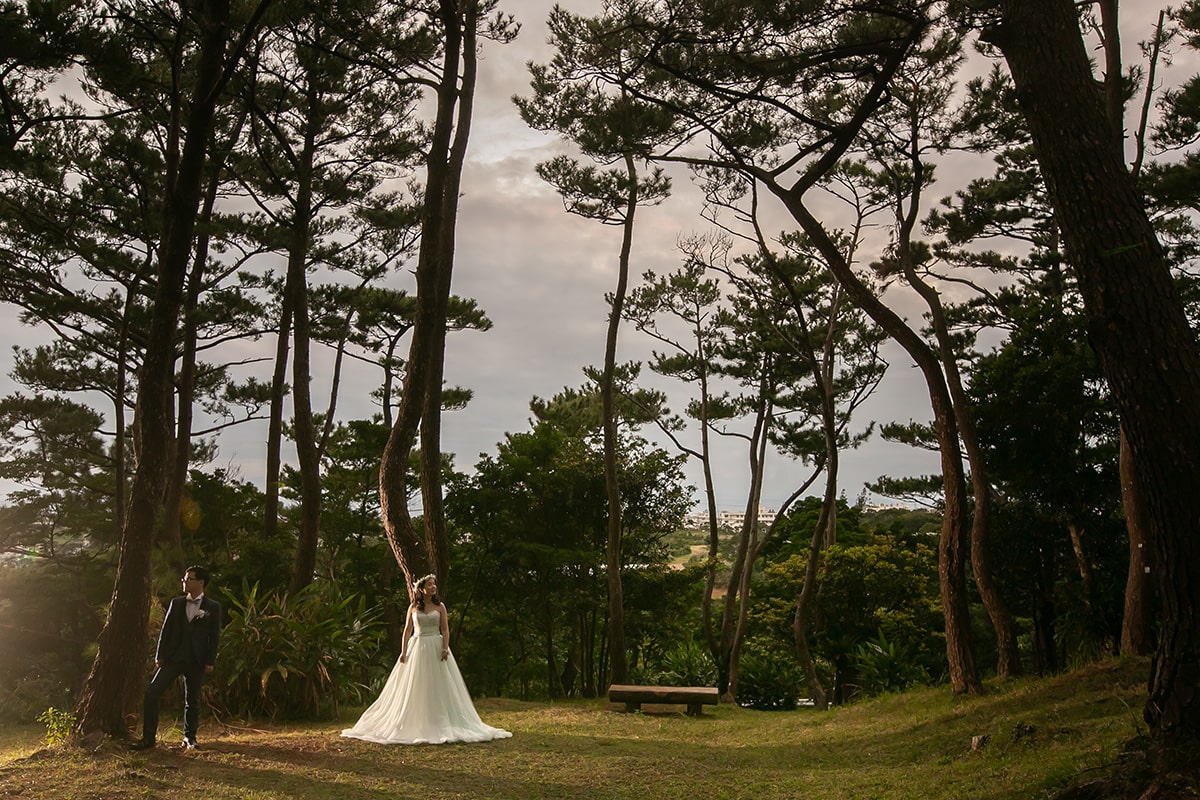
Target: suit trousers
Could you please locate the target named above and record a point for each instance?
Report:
(193, 675)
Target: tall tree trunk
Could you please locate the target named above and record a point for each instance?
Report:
(308, 534)
(1008, 655)
(714, 528)
(120, 449)
(741, 555)
(420, 401)
(750, 531)
(275, 421)
(808, 592)
(1137, 619)
(1136, 622)
(618, 665)
(114, 682)
(172, 537)
(1136, 324)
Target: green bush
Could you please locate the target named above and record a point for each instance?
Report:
(688, 664)
(303, 654)
(769, 679)
(885, 666)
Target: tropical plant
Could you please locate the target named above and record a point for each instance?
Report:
(885, 666)
(302, 654)
(770, 678)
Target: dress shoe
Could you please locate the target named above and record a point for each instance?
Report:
(142, 744)
(188, 744)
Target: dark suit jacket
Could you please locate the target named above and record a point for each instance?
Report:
(190, 642)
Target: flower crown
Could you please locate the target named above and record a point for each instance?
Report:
(421, 581)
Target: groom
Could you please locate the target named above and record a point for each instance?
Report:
(187, 646)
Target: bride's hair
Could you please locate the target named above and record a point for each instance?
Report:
(419, 602)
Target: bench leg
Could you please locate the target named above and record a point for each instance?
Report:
(633, 705)
(694, 709)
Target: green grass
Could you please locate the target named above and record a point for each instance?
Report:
(1044, 734)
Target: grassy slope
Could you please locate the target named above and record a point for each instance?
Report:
(915, 745)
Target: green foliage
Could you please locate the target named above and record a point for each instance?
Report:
(885, 666)
(887, 586)
(301, 655)
(793, 533)
(902, 522)
(528, 540)
(686, 664)
(769, 678)
(59, 725)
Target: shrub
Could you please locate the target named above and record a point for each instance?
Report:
(688, 664)
(885, 666)
(299, 654)
(769, 679)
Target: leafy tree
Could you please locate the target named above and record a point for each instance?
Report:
(457, 32)
(785, 122)
(883, 588)
(328, 125)
(112, 685)
(611, 128)
(532, 532)
(56, 444)
(39, 41)
(1136, 319)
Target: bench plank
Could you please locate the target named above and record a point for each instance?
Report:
(692, 696)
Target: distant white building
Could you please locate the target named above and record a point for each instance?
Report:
(728, 519)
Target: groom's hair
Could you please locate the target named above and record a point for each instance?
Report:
(200, 573)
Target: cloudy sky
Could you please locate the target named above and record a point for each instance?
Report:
(541, 275)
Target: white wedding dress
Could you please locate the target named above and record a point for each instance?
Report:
(425, 700)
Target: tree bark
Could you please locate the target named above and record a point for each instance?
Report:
(115, 679)
(420, 402)
(172, 537)
(1136, 324)
(275, 422)
(952, 541)
(1008, 656)
(309, 459)
(751, 544)
(618, 664)
(1136, 622)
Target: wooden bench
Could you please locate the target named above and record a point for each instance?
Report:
(693, 696)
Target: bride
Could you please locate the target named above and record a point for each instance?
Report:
(424, 700)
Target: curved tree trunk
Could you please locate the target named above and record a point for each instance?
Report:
(420, 402)
(753, 545)
(1008, 656)
(952, 542)
(741, 556)
(1136, 324)
(812, 570)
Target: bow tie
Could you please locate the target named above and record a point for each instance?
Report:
(194, 600)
